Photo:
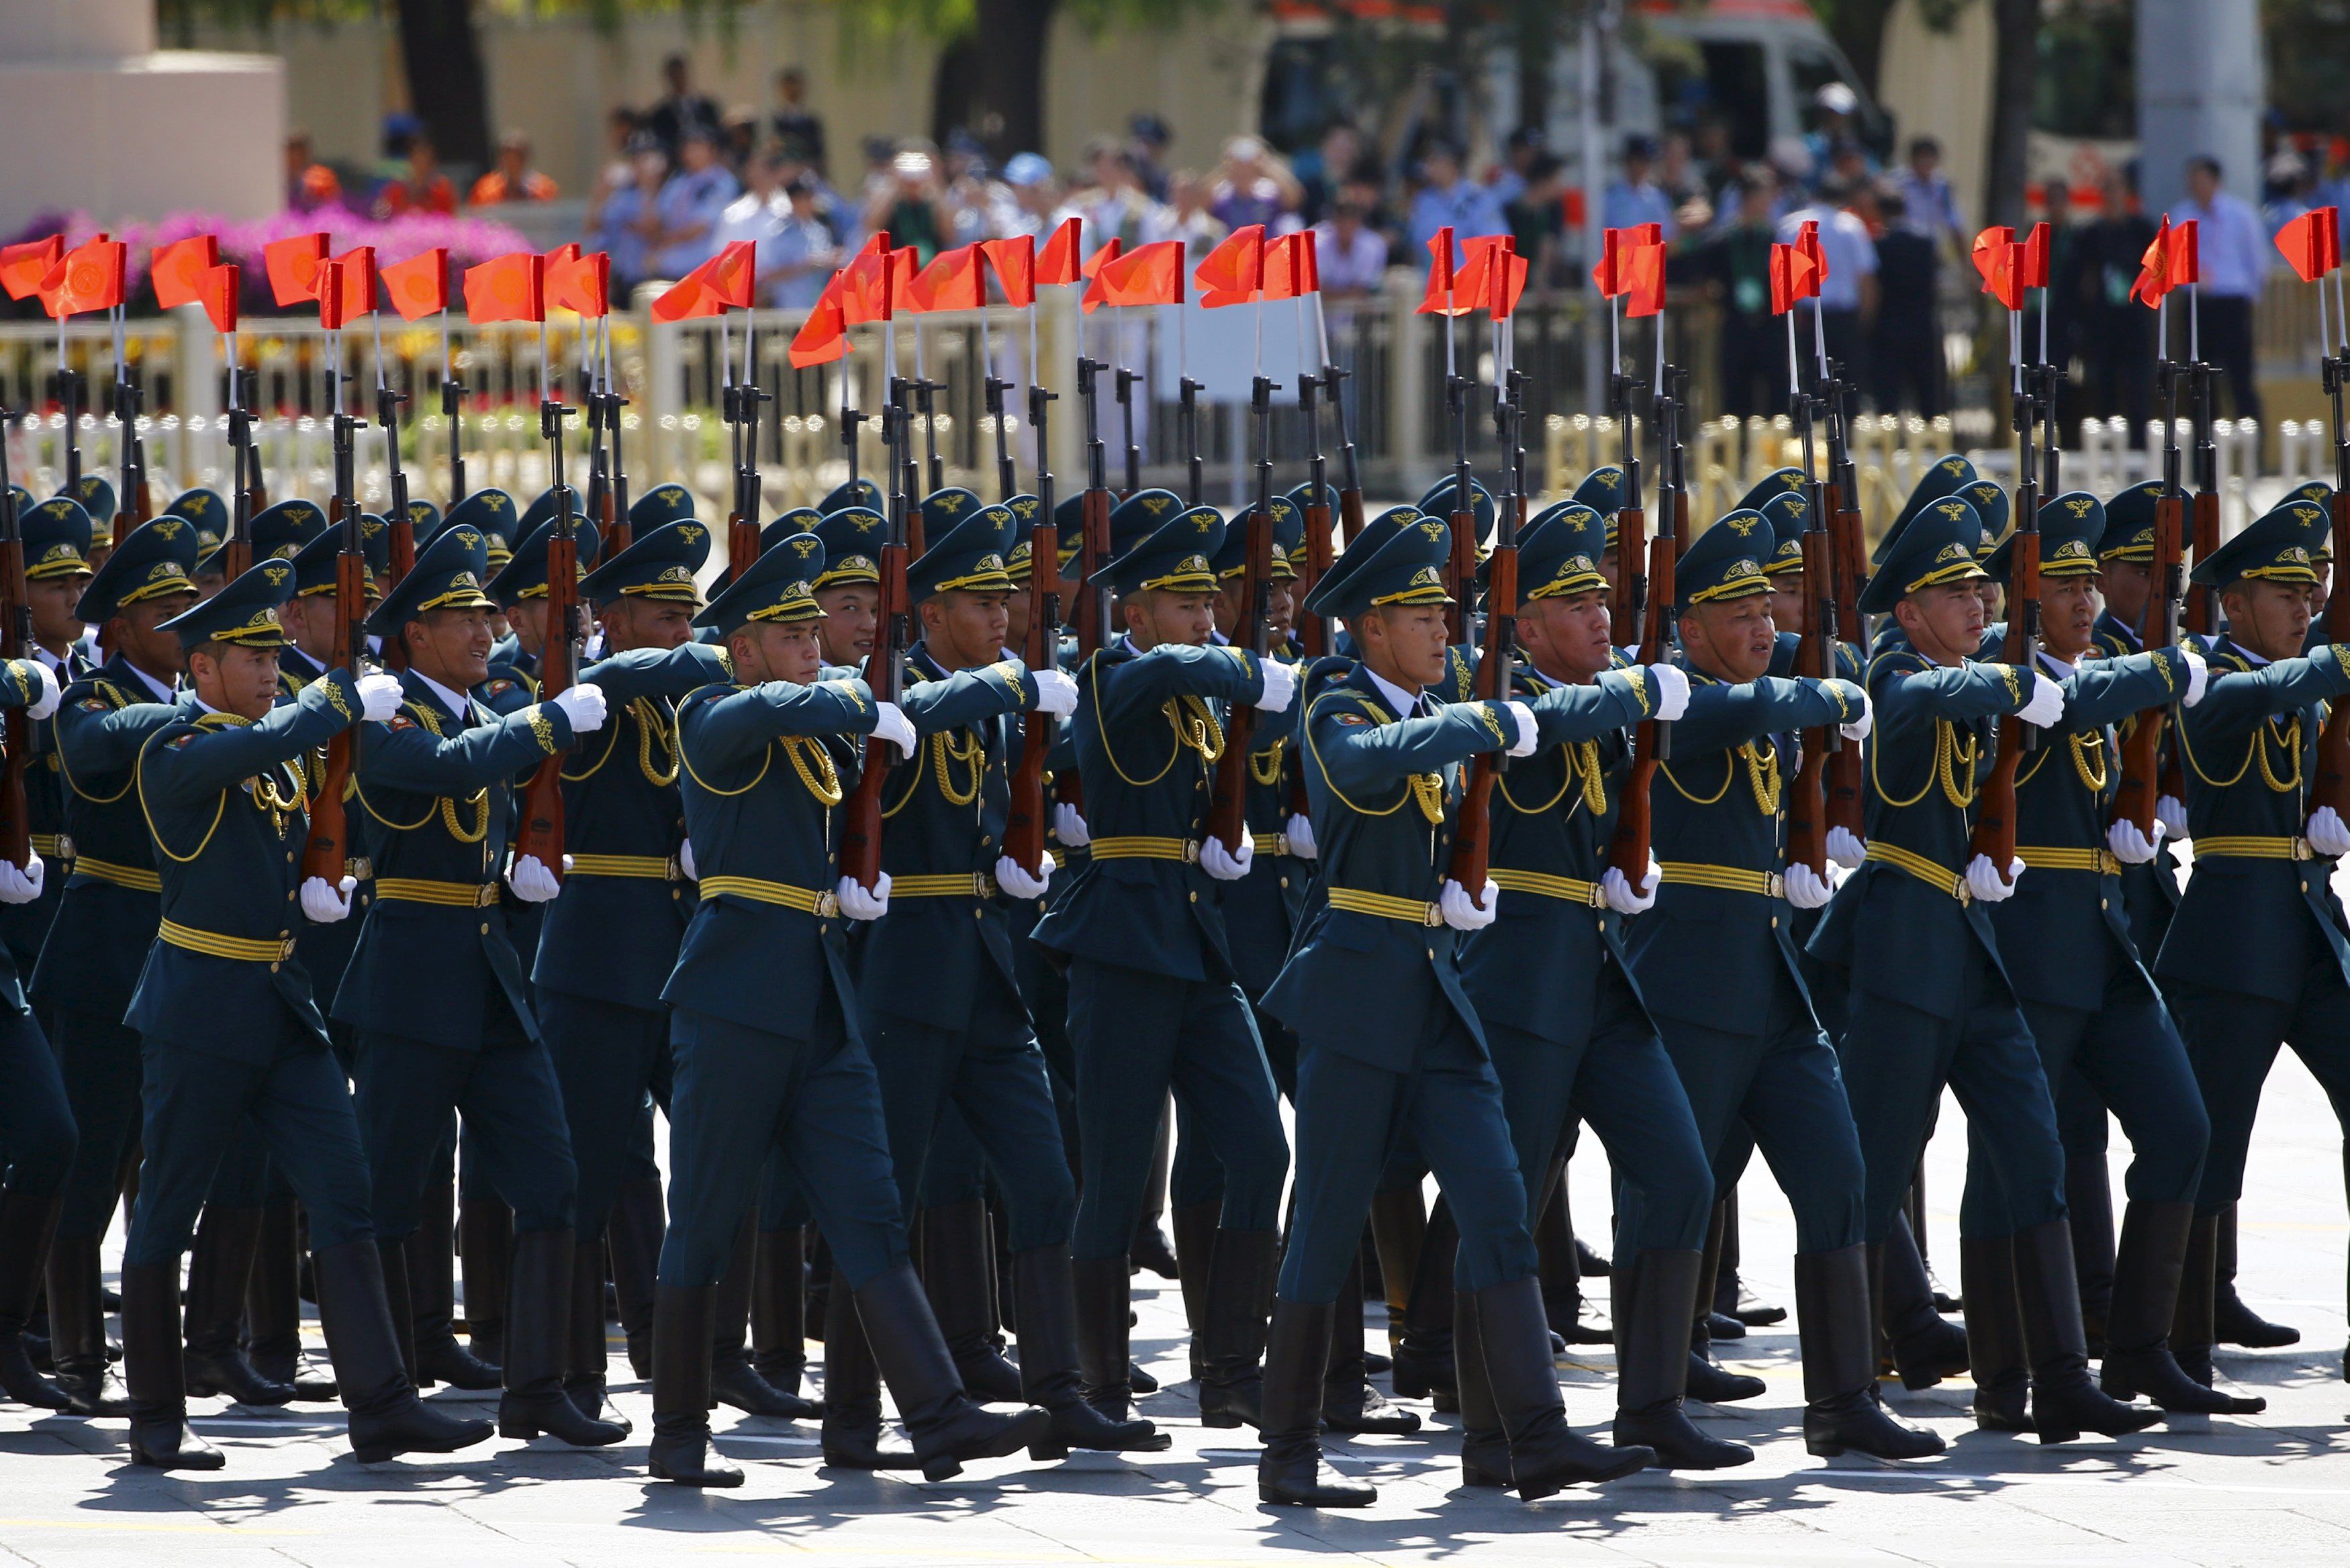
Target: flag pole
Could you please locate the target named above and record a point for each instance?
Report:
(2194, 321)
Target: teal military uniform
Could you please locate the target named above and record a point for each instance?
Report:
(57, 534)
(90, 961)
(1154, 1005)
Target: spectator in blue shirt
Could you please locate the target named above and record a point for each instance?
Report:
(627, 223)
(1448, 197)
(1930, 207)
(1848, 301)
(2233, 254)
(692, 204)
(1636, 198)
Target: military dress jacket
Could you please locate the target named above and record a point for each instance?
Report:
(943, 811)
(2069, 917)
(1723, 933)
(18, 687)
(25, 927)
(1146, 735)
(2249, 749)
(1899, 926)
(760, 770)
(612, 934)
(227, 798)
(1537, 967)
(1262, 910)
(96, 948)
(435, 798)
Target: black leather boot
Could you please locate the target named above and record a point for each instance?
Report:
(1706, 1379)
(1513, 1339)
(2192, 1335)
(1423, 1357)
(160, 1435)
(273, 1308)
(958, 1272)
(1045, 1303)
(680, 1450)
(732, 1379)
(1484, 1446)
(1239, 1290)
(1838, 1335)
(2235, 1322)
(2089, 1207)
(634, 1234)
(213, 1363)
(433, 1297)
(1398, 1227)
(1718, 1325)
(2002, 1401)
(852, 1389)
(587, 1348)
(2147, 1271)
(1105, 1306)
(1291, 1470)
(1656, 1299)
(2064, 1401)
(78, 1329)
(386, 1416)
(486, 1236)
(1195, 1248)
(1561, 1264)
(947, 1427)
(1349, 1402)
(1926, 1346)
(779, 1309)
(1730, 1296)
(26, 1225)
(538, 1337)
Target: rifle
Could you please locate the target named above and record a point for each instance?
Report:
(1313, 631)
(68, 393)
(452, 408)
(1187, 415)
(1807, 804)
(1023, 826)
(884, 668)
(1473, 840)
(402, 538)
(902, 398)
(329, 853)
(2142, 779)
(1126, 380)
(15, 643)
(1228, 814)
(1460, 568)
(2202, 600)
(1652, 741)
(1848, 562)
(923, 391)
(615, 517)
(540, 831)
(134, 505)
(1994, 835)
(741, 409)
(1630, 602)
(1350, 482)
(236, 553)
(2330, 783)
(1007, 479)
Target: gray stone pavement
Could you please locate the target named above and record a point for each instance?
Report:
(2274, 1489)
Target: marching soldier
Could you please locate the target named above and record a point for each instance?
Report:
(1153, 1001)
(1389, 1043)
(1748, 1047)
(764, 1028)
(231, 1037)
(436, 787)
(2262, 867)
(89, 964)
(1930, 1002)
(56, 568)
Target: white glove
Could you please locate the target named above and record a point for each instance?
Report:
(51, 694)
(2130, 846)
(1069, 827)
(1522, 716)
(1857, 729)
(1807, 891)
(894, 727)
(1300, 828)
(380, 696)
(1983, 879)
(685, 861)
(2327, 833)
(1672, 692)
(1055, 693)
(1846, 848)
(857, 903)
(1461, 914)
(583, 705)
(22, 887)
(324, 902)
(1618, 892)
(1280, 686)
(2199, 676)
(1221, 864)
(2046, 704)
(2171, 812)
(533, 883)
(1013, 878)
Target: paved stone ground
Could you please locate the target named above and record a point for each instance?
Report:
(2275, 1488)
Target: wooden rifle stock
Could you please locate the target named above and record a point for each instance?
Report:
(2141, 784)
(1472, 838)
(1313, 630)
(1994, 835)
(885, 673)
(1629, 853)
(1023, 828)
(327, 854)
(15, 643)
(1847, 567)
(1460, 570)
(1628, 604)
(1228, 813)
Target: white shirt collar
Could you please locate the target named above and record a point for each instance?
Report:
(2059, 667)
(162, 693)
(2248, 657)
(457, 702)
(1405, 703)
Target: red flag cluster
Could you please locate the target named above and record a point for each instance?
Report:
(93, 276)
(1632, 268)
(2311, 243)
(2171, 259)
(1797, 270)
(1491, 276)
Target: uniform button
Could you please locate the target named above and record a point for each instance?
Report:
(485, 927)
(2102, 904)
(1431, 952)
(289, 895)
(1195, 898)
(1284, 881)
(1774, 922)
(273, 968)
(979, 914)
(985, 839)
